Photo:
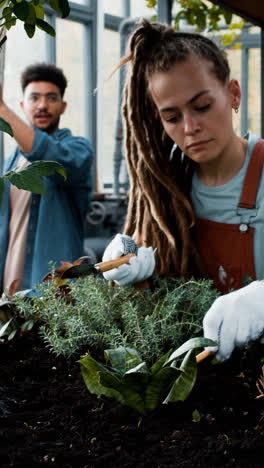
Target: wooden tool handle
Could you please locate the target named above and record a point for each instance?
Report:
(110, 264)
(203, 355)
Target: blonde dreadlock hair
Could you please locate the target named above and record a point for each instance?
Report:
(159, 211)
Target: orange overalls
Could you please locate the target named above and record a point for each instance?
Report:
(228, 249)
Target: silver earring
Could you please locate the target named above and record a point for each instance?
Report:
(236, 110)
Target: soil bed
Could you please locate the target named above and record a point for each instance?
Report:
(48, 417)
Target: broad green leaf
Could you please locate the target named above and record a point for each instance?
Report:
(133, 399)
(109, 380)
(178, 17)
(4, 302)
(236, 25)
(159, 364)
(141, 368)
(133, 390)
(227, 39)
(30, 29)
(91, 370)
(184, 384)
(31, 17)
(159, 386)
(151, 3)
(133, 387)
(2, 3)
(23, 293)
(30, 182)
(29, 178)
(61, 6)
(189, 16)
(227, 15)
(99, 380)
(55, 5)
(21, 10)
(12, 334)
(45, 168)
(5, 127)
(7, 11)
(4, 328)
(39, 10)
(2, 188)
(193, 343)
(196, 417)
(5, 314)
(64, 7)
(122, 359)
(10, 22)
(41, 24)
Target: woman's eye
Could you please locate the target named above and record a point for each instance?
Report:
(203, 108)
(172, 119)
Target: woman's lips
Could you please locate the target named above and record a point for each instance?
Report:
(198, 144)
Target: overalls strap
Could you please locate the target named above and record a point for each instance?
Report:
(251, 182)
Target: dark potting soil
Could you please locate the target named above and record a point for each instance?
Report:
(49, 418)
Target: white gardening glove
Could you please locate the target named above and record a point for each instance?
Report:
(139, 268)
(235, 318)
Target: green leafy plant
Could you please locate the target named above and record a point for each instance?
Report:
(29, 178)
(206, 16)
(94, 313)
(56, 274)
(129, 380)
(196, 417)
(62, 288)
(31, 13)
(12, 323)
(100, 316)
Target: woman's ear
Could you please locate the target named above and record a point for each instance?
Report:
(235, 93)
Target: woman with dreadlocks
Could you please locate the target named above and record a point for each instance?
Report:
(196, 193)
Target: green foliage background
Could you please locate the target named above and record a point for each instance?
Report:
(31, 13)
(205, 15)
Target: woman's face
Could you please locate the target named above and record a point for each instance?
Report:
(196, 108)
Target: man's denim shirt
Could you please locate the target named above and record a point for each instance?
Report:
(56, 221)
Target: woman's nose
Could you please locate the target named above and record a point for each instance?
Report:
(191, 124)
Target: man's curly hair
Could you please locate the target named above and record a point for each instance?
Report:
(44, 72)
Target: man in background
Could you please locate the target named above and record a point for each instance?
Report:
(36, 229)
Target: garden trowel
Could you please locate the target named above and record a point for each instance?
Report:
(85, 269)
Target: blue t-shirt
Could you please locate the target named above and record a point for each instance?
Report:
(220, 204)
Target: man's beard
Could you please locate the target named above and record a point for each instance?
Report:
(50, 128)
(53, 126)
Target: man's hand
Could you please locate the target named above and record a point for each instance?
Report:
(23, 133)
(140, 267)
(235, 318)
